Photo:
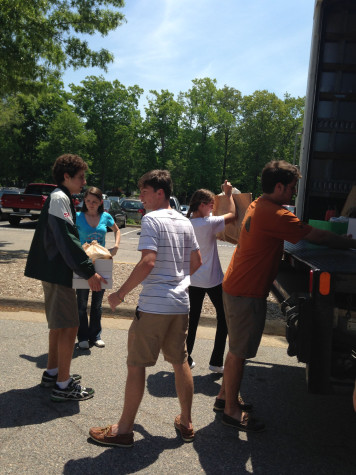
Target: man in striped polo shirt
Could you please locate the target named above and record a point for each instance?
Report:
(170, 254)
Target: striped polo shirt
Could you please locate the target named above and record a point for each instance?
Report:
(171, 235)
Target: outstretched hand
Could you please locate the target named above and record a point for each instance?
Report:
(227, 188)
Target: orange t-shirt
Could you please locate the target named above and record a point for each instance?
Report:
(254, 264)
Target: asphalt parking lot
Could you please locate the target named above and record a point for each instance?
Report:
(312, 434)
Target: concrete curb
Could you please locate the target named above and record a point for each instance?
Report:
(272, 327)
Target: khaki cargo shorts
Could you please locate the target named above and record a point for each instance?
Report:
(151, 332)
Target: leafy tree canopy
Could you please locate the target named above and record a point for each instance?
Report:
(37, 36)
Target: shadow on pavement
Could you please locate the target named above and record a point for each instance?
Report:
(41, 360)
(304, 432)
(162, 384)
(125, 460)
(213, 446)
(8, 256)
(31, 406)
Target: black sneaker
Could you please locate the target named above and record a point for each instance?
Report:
(73, 392)
(49, 381)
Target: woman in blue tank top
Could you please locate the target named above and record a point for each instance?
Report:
(92, 223)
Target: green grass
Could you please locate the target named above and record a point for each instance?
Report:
(131, 221)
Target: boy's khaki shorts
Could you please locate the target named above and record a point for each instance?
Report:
(151, 332)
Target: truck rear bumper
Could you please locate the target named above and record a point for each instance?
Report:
(22, 214)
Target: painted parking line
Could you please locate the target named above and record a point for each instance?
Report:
(123, 233)
(14, 230)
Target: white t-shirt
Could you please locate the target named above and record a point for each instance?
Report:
(209, 273)
(171, 235)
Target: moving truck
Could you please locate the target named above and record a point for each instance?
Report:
(317, 285)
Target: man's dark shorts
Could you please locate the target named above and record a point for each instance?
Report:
(245, 319)
(61, 306)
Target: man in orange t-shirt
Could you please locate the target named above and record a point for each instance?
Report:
(250, 275)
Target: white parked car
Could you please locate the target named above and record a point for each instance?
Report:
(184, 209)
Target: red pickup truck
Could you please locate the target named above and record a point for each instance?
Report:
(26, 205)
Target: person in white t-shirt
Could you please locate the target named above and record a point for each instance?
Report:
(170, 254)
(208, 278)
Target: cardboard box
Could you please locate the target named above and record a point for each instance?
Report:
(350, 202)
(102, 267)
(231, 232)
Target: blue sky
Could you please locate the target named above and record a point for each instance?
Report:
(246, 44)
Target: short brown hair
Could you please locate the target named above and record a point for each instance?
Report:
(278, 171)
(158, 179)
(67, 163)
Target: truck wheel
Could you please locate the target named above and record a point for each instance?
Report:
(14, 220)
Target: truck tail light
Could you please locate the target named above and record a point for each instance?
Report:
(324, 283)
(142, 211)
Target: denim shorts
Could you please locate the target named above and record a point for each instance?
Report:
(61, 306)
(245, 319)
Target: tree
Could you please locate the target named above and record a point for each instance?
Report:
(267, 131)
(35, 130)
(199, 122)
(161, 131)
(66, 133)
(229, 115)
(110, 110)
(37, 36)
(10, 122)
(293, 114)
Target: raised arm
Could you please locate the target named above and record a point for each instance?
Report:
(231, 215)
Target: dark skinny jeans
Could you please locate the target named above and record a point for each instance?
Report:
(196, 297)
(89, 331)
